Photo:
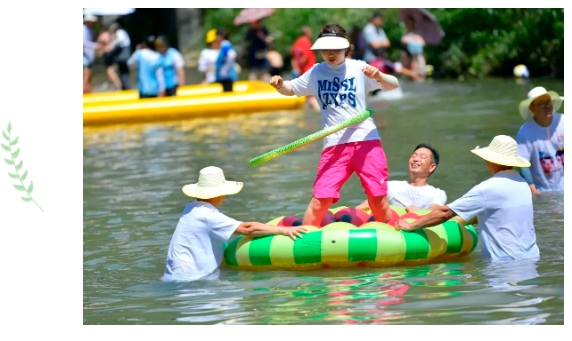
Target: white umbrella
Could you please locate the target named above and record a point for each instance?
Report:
(108, 11)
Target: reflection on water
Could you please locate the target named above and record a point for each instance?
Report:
(132, 199)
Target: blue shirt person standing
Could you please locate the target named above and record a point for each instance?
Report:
(150, 78)
(225, 72)
(173, 66)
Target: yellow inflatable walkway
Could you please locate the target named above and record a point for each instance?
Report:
(191, 101)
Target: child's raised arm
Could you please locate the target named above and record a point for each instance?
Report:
(283, 87)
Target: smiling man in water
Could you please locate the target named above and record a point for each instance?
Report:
(415, 193)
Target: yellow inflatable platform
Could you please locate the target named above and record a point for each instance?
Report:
(191, 101)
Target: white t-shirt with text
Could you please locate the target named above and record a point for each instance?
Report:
(402, 193)
(503, 207)
(544, 148)
(341, 92)
(197, 245)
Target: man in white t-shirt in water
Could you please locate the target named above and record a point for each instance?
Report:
(197, 247)
(541, 140)
(415, 193)
(502, 205)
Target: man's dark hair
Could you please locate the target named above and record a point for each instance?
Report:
(377, 14)
(434, 153)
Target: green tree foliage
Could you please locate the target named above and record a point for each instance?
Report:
(478, 42)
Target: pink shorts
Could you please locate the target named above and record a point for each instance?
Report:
(365, 158)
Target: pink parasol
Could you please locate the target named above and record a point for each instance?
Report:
(248, 15)
(426, 25)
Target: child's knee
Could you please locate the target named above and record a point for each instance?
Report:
(318, 205)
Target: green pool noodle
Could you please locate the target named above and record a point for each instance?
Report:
(309, 139)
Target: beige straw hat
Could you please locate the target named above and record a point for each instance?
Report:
(534, 94)
(502, 151)
(211, 184)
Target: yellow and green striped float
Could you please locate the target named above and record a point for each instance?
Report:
(342, 244)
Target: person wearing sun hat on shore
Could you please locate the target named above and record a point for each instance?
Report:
(502, 205)
(540, 140)
(197, 246)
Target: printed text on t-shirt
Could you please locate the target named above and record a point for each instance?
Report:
(334, 92)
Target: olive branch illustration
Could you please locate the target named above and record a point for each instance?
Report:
(17, 166)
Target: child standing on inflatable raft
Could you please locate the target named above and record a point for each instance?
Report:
(341, 85)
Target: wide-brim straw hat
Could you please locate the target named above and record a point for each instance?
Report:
(502, 151)
(212, 184)
(331, 41)
(533, 94)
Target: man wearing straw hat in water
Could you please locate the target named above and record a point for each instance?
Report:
(541, 140)
(197, 246)
(502, 205)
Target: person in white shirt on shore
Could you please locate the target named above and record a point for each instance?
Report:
(415, 193)
(208, 57)
(197, 246)
(502, 205)
(118, 52)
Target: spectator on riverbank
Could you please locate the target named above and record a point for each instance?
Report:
(208, 57)
(150, 79)
(103, 40)
(303, 59)
(412, 50)
(89, 48)
(255, 45)
(173, 65)
(117, 53)
(376, 41)
(225, 71)
(541, 140)
(117, 48)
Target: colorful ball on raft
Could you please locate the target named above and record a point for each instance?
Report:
(328, 218)
(392, 221)
(351, 215)
(290, 220)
